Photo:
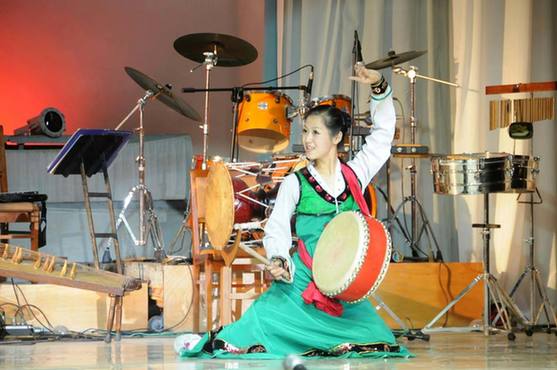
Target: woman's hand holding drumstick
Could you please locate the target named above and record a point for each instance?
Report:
(274, 267)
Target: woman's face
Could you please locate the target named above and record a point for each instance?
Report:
(317, 140)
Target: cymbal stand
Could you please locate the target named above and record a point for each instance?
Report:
(502, 302)
(147, 225)
(211, 59)
(533, 272)
(415, 236)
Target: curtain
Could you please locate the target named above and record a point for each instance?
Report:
(475, 44)
(494, 43)
(321, 33)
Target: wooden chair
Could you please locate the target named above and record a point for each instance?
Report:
(230, 284)
(11, 212)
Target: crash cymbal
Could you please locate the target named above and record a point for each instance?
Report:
(393, 59)
(164, 94)
(231, 51)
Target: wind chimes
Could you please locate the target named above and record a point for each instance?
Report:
(503, 112)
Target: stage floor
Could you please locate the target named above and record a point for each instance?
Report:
(444, 351)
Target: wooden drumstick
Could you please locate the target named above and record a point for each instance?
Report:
(259, 257)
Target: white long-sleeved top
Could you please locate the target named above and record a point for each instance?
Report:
(366, 163)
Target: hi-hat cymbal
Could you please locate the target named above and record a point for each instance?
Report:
(393, 59)
(231, 51)
(164, 94)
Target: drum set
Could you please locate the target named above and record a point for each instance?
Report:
(239, 196)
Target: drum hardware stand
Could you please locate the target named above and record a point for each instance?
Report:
(492, 292)
(237, 97)
(211, 59)
(411, 74)
(148, 221)
(408, 333)
(396, 255)
(534, 274)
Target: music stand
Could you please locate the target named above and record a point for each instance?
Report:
(88, 152)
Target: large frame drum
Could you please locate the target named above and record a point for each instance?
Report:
(263, 123)
(224, 205)
(242, 194)
(480, 173)
(351, 257)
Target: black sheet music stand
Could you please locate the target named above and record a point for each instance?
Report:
(88, 152)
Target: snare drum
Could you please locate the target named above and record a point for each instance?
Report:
(342, 102)
(263, 123)
(351, 257)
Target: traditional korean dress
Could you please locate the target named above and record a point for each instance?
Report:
(285, 319)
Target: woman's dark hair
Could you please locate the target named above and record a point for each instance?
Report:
(334, 119)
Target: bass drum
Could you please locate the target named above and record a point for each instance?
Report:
(351, 257)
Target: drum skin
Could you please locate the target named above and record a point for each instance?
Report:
(351, 257)
(223, 206)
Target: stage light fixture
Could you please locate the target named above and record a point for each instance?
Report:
(49, 122)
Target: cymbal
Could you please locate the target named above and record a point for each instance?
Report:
(393, 59)
(231, 51)
(164, 94)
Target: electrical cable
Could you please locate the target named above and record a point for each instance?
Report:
(280, 77)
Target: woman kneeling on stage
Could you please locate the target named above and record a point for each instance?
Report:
(292, 317)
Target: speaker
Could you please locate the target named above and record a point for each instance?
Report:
(49, 122)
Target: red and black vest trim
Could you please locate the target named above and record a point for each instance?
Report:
(319, 190)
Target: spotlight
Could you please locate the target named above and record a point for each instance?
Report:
(49, 122)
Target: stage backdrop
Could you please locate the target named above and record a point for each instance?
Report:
(472, 43)
(71, 55)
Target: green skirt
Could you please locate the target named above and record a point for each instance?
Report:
(279, 323)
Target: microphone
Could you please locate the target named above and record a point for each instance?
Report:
(293, 362)
(357, 47)
(309, 85)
